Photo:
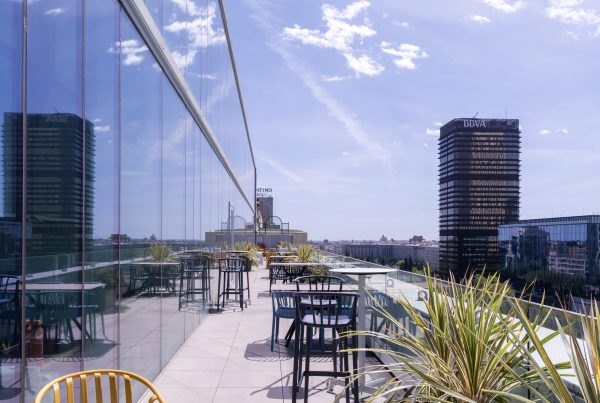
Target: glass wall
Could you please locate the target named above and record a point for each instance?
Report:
(108, 183)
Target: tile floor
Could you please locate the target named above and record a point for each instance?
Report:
(228, 358)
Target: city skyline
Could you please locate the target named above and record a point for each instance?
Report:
(351, 153)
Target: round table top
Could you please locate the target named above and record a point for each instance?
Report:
(363, 270)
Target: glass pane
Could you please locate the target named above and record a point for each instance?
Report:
(173, 220)
(56, 147)
(140, 204)
(11, 186)
(101, 244)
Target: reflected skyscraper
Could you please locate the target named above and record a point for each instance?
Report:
(57, 159)
(479, 170)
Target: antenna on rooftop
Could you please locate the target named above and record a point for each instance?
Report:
(475, 115)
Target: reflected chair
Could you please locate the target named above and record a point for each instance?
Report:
(9, 305)
(325, 310)
(166, 278)
(231, 269)
(137, 274)
(79, 383)
(54, 308)
(192, 270)
(93, 305)
(284, 306)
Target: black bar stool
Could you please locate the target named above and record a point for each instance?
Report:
(325, 310)
(231, 268)
(194, 269)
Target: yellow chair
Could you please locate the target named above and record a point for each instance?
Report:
(96, 376)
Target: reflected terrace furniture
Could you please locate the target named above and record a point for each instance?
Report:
(194, 269)
(319, 311)
(9, 306)
(78, 384)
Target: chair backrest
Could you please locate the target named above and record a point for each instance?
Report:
(320, 283)
(9, 286)
(330, 309)
(283, 301)
(85, 378)
(231, 263)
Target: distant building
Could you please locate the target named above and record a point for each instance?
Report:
(269, 231)
(421, 254)
(479, 190)
(564, 245)
(56, 163)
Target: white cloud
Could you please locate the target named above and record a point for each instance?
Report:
(432, 132)
(405, 54)
(97, 120)
(329, 79)
(545, 132)
(200, 27)
(205, 76)
(401, 24)
(505, 6)
(346, 153)
(55, 11)
(562, 131)
(572, 13)
(282, 170)
(374, 150)
(480, 19)
(102, 129)
(131, 49)
(341, 36)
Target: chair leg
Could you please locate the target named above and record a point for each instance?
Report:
(306, 371)
(334, 350)
(347, 370)
(355, 368)
(302, 347)
(276, 329)
(273, 331)
(296, 357)
(241, 276)
(219, 289)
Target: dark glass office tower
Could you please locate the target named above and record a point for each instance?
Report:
(479, 190)
(57, 155)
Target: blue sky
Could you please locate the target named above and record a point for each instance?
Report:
(344, 101)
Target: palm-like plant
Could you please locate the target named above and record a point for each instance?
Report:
(160, 252)
(251, 251)
(463, 349)
(583, 349)
(306, 253)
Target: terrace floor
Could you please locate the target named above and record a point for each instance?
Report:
(228, 358)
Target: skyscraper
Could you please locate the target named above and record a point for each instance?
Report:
(479, 171)
(56, 159)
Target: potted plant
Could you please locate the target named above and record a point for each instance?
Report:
(459, 343)
(160, 252)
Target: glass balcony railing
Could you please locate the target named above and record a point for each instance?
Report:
(387, 289)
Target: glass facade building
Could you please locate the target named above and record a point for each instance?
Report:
(121, 126)
(564, 245)
(479, 168)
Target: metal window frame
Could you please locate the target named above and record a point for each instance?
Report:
(144, 23)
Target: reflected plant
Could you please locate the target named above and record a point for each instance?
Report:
(160, 252)
(458, 343)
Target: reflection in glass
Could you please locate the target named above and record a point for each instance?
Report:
(10, 220)
(140, 203)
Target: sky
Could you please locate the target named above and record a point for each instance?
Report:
(344, 101)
